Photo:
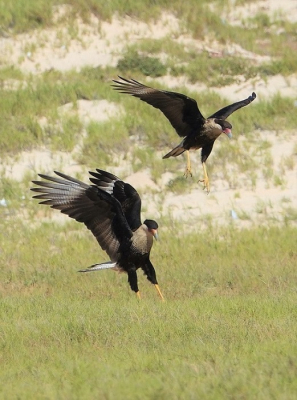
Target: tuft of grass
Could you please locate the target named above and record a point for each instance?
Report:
(219, 71)
(178, 185)
(10, 73)
(22, 15)
(290, 214)
(146, 157)
(11, 191)
(284, 65)
(63, 136)
(103, 142)
(22, 109)
(132, 62)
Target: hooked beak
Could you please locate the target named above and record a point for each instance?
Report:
(155, 233)
(228, 132)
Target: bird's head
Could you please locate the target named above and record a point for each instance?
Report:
(225, 126)
(152, 227)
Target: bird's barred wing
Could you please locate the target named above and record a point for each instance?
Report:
(228, 110)
(87, 204)
(127, 196)
(181, 111)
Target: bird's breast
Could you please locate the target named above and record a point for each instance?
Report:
(211, 130)
(142, 241)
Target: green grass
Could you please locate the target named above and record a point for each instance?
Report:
(22, 16)
(149, 66)
(197, 66)
(226, 330)
(105, 142)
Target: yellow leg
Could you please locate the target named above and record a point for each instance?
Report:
(159, 292)
(138, 295)
(188, 171)
(205, 180)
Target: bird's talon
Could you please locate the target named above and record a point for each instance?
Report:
(205, 185)
(188, 173)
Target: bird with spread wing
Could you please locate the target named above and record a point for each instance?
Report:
(184, 115)
(110, 208)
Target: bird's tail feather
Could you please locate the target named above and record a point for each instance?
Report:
(176, 151)
(97, 267)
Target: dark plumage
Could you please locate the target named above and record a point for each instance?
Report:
(185, 117)
(110, 208)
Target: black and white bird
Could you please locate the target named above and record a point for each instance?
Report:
(110, 208)
(185, 117)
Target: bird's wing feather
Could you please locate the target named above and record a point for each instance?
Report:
(181, 111)
(228, 110)
(98, 210)
(127, 196)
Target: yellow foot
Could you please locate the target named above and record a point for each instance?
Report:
(138, 295)
(188, 172)
(159, 292)
(205, 180)
(206, 184)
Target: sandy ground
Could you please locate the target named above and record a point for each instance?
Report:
(273, 8)
(99, 43)
(102, 43)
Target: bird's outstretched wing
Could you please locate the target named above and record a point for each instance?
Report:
(181, 111)
(126, 194)
(96, 208)
(228, 110)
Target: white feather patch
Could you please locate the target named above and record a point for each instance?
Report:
(109, 188)
(98, 267)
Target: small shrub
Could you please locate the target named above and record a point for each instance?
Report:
(150, 66)
(178, 185)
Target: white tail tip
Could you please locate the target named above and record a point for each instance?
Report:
(98, 267)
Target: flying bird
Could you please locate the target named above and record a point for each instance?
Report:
(110, 208)
(184, 115)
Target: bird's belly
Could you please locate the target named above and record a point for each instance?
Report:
(140, 250)
(195, 147)
(133, 262)
(195, 142)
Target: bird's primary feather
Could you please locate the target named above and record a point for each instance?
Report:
(181, 111)
(228, 110)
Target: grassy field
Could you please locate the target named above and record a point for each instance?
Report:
(226, 330)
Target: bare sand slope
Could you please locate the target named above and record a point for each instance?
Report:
(102, 43)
